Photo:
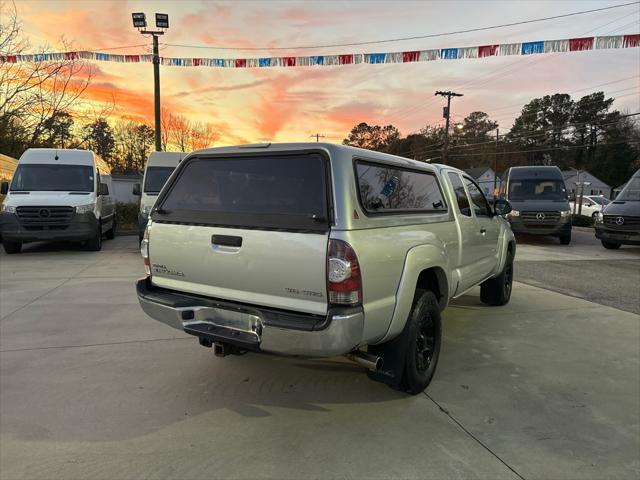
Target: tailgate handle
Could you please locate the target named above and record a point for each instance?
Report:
(226, 240)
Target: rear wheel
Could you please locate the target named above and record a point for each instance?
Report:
(610, 245)
(95, 243)
(497, 290)
(565, 239)
(422, 339)
(12, 247)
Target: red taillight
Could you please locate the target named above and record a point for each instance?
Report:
(344, 282)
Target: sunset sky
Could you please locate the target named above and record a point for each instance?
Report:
(278, 104)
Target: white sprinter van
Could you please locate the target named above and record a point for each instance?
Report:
(159, 166)
(57, 194)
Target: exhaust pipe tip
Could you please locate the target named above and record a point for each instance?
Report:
(371, 362)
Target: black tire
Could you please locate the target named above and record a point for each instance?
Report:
(422, 340)
(497, 290)
(12, 247)
(594, 215)
(610, 245)
(111, 233)
(565, 240)
(95, 243)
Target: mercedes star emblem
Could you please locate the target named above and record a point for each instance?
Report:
(44, 213)
(619, 220)
(540, 216)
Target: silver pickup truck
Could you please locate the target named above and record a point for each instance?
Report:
(318, 250)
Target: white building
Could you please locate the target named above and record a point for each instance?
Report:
(484, 178)
(595, 187)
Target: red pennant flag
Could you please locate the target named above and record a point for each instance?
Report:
(197, 62)
(577, 44)
(410, 56)
(345, 59)
(71, 55)
(631, 41)
(289, 61)
(241, 62)
(131, 58)
(487, 50)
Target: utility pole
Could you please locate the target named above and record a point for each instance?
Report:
(495, 167)
(317, 137)
(446, 114)
(162, 22)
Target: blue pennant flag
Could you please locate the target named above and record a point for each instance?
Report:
(532, 47)
(376, 58)
(316, 60)
(264, 62)
(449, 53)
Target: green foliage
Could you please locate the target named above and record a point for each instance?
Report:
(127, 215)
(581, 221)
(372, 137)
(99, 138)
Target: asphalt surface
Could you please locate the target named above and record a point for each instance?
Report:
(584, 270)
(545, 387)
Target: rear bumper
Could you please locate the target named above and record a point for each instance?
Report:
(254, 328)
(617, 236)
(82, 226)
(561, 229)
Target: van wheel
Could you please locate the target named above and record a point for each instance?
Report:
(111, 233)
(565, 240)
(607, 245)
(12, 247)
(422, 339)
(95, 243)
(497, 290)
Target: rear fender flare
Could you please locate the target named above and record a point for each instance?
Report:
(418, 259)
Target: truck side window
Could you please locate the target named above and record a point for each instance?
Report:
(461, 195)
(480, 204)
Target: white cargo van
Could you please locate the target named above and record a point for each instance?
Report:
(57, 194)
(159, 166)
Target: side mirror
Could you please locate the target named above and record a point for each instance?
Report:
(4, 188)
(502, 207)
(103, 189)
(136, 189)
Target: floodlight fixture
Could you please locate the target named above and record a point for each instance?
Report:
(162, 20)
(139, 20)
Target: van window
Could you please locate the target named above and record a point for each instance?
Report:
(52, 177)
(537, 189)
(155, 178)
(393, 190)
(272, 192)
(461, 195)
(479, 202)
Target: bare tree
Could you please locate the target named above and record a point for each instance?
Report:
(181, 132)
(34, 92)
(203, 135)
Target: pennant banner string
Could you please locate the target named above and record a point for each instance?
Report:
(460, 53)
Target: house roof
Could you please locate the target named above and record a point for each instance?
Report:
(476, 172)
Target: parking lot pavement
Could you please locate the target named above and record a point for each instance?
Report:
(583, 269)
(545, 387)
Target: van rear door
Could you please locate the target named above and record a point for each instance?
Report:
(252, 229)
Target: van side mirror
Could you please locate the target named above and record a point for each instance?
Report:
(502, 207)
(136, 189)
(103, 189)
(4, 188)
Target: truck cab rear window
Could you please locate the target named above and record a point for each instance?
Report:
(393, 190)
(278, 191)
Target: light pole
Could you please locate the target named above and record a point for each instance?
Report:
(162, 22)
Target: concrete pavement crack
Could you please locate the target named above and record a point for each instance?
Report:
(464, 429)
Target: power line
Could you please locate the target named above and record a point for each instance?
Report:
(402, 39)
(567, 147)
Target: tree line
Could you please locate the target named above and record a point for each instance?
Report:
(586, 134)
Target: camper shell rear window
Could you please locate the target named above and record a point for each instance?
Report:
(273, 192)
